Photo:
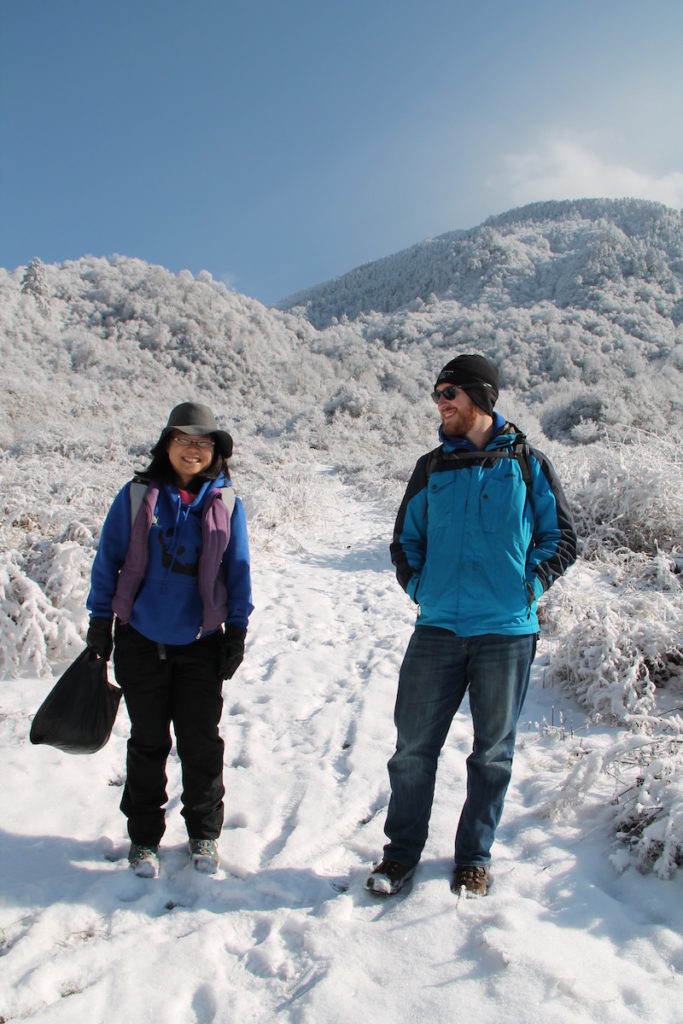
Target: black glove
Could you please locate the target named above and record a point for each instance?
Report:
(98, 638)
(232, 651)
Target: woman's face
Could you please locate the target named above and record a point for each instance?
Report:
(189, 455)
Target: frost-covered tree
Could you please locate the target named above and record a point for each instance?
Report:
(34, 283)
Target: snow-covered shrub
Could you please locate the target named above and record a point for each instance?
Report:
(627, 496)
(617, 628)
(346, 399)
(68, 574)
(647, 798)
(33, 633)
(649, 804)
(649, 809)
(279, 510)
(611, 657)
(582, 414)
(616, 625)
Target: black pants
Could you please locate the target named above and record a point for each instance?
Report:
(165, 685)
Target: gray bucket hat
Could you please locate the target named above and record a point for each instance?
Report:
(192, 418)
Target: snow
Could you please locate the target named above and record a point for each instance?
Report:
(285, 931)
(581, 305)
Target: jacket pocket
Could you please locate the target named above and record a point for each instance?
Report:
(501, 503)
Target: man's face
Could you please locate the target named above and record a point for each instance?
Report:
(458, 414)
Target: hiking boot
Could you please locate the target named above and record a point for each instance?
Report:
(473, 878)
(204, 853)
(389, 877)
(144, 860)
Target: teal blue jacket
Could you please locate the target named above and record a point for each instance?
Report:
(473, 546)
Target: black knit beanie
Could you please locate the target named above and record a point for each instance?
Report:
(475, 375)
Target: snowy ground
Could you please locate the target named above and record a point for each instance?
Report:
(285, 931)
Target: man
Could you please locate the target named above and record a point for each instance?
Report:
(483, 530)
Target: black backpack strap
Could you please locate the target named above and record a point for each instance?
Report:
(523, 456)
(432, 460)
(521, 452)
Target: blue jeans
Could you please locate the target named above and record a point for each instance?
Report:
(437, 670)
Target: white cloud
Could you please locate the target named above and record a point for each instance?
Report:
(565, 169)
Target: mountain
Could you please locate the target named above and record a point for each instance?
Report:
(565, 297)
(572, 254)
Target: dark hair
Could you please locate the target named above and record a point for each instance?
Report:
(161, 471)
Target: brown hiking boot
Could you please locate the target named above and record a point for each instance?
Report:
(473, 878)
(388, 878)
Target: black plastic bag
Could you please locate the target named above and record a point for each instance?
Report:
(78, 714)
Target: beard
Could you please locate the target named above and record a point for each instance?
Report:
(461, 422)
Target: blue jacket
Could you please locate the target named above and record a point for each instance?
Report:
(168, 608)
(472, 547)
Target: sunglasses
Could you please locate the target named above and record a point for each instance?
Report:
(449, 393)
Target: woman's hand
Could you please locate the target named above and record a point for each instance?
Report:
(98, 638)
(232, 651)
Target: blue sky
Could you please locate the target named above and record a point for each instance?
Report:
(280, 144)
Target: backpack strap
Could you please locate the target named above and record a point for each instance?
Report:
(523, 456)
(136, 492)
(520, 452)
(228, 496)
(432, 460)
(139, 487)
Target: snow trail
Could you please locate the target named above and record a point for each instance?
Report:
(285, 930)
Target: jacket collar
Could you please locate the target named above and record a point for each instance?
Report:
(207, 486)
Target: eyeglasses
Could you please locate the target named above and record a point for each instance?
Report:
(204, 443)
(449, 393)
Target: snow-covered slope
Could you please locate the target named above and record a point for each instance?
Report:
(572, 253)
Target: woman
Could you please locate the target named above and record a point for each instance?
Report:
(172, 567)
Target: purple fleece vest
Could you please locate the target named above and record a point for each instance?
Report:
(210, 580)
